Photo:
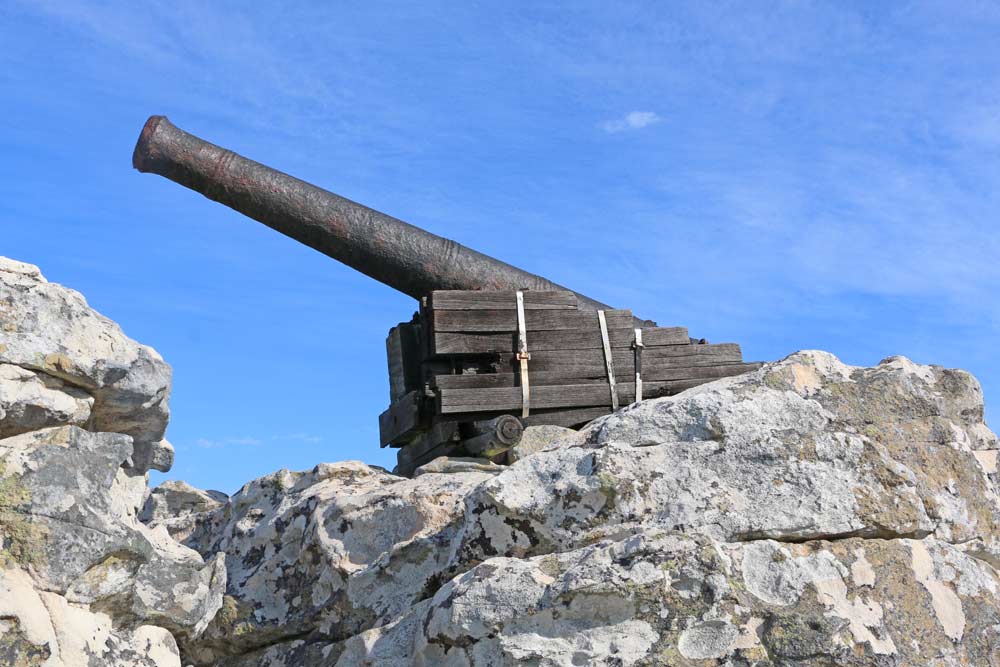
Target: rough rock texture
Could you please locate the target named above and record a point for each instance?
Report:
(42, 628)
(187, 513)
(807, 448)
(70, 532)
(809, 513)
(537, 438)
(672, 599)
(328, 553)
(63, 363)
(82, 581)
(445, 464)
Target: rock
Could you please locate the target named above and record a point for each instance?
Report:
(153, 456)
(809, 513)
(188, 514)
(671, 599)
(803, 449)
(30, 401)
(326, 554)
(453, 464)
(537, 438)
(70, 349)
(42, 628)
(82, 581)
(69, 518)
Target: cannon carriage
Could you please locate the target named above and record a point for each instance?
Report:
(491, 349)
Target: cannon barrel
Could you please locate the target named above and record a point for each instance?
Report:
(391, 251)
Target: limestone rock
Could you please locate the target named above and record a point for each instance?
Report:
(51, 331)
(452, 464)
(670, 599)
(536, 438)
(329, 553)
(188, 514)
(30, 401)
(43, 628)
(69, 518)
(807, 514)
(82, 581)
(806, 448)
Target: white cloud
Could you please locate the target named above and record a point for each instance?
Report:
(299, 437)
(218, 443)
(209, 443)
(633, 120)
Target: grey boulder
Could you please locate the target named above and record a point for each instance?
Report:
(109, 382)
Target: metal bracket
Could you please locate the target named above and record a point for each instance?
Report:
(523, 356)
(637, 346)
(609, 360)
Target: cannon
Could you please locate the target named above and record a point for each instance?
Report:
(491, 349)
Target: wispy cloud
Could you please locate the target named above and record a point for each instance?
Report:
(633, 120)
(245, 441)
(217, 443)
(308, 438)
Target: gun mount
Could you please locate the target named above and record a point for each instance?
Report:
(459, 380)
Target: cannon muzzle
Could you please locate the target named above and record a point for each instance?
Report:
(391, 251)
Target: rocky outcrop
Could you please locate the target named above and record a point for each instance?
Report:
(63, 363)
(804, 449)
(188, 514)
(674, 599)
(82, 580)
(809, 513)
(806, 514)
(329, 553)
(537, 438)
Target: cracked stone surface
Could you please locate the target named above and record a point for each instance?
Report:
(61, 362)
(808, 514)
(806, 448)
(186, 512)
(328, 553)
(69, 521)
(83, 582)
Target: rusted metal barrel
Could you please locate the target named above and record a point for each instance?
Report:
(391, 251)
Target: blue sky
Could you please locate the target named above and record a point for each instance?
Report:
(782, 175)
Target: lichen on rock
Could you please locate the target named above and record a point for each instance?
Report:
(21, 540)
(61, 362)
(806, 514)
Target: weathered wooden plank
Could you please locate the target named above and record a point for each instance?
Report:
(570, 418)
(555, 366)
(402, 349)
(486, 300)
(539, 378)
(565, 367)
(394, 355)
(662, 336)
(535, 320)
(658, 362)
(449, 342)
(401, 420)
(451, 401)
